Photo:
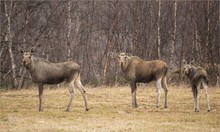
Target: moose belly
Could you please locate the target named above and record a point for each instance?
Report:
(145, 79)
(54, 80)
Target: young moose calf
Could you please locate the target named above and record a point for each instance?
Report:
(197, 76)
(45, 72)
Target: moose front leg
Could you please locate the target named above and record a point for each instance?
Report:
(40, 88)
(133, 94)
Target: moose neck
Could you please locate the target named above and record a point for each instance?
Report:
(192, 73)
(124, 66)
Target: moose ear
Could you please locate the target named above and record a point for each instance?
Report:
(129, 54)
(184, 62)
(119, 54)
(21, 51)
(193, 62)
(32, 50)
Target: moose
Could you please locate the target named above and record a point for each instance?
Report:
(44, 72)
(197, 76)
(137, 70)
(212, 69)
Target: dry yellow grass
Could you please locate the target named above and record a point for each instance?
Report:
(110, 110)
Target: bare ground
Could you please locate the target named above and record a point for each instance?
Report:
(110, 110)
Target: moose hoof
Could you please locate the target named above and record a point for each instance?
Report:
(157, 106)
(134, 106)
(208, 110)
(87, 109)
(196, 110)
(165, 107)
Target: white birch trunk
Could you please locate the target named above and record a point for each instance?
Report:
(22, 69)
(69, 29)
(207, 32)
(173, 34)
(8, 10)
(158, 31)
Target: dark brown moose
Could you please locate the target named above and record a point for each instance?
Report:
(45, 72)
(137, 70)
(197, 76)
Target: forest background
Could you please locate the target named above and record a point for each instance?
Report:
(92, 33)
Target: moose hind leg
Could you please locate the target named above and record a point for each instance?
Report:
(207, 95)
(158, 85)
(82, 91)
(72, 93)
(198, 96)
(194, 91)
(164, 86)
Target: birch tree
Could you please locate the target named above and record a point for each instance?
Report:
(91, 32)
(8, 38)
(207, 30)
(113, 21)
(158, 30)
(69, 19)
(173, 41)
(22, 69)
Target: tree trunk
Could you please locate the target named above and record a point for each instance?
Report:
(22, 69)
(173, 35)
(69, 30)
(182, 56)
(22, 79)
(111, 34)
(158, 31)
(197, 46)
(207, 32)
(8, 10)
(107, 62)
(90, 63)
(197, 37)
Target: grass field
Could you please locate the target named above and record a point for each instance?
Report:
(110, 110)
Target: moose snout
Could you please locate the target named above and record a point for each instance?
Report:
(186, 71)
(25, 63)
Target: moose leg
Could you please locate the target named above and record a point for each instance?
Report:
(72, 93)
(165, 90)
(158, 85)
(194, 91)
(197, 97)
(40, 88)
(207, 95)
(82, 91)
(133, 94)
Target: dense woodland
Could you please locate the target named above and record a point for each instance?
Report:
(92, 33)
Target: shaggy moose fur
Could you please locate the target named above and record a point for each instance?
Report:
(137, 70)
(197, 76)
(44, 72)
(212, 69)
